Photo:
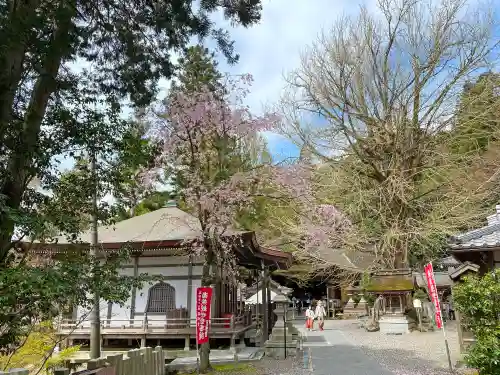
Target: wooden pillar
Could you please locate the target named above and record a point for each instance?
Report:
(269, 307)
(215, 295)
(460, 331)
(257, 306)
(225, 297)
(220, 290)
(327, 301)
(235, 297)
(190, 289)
(134, 289)
(109, 313)
(240, 292)
(265, 307)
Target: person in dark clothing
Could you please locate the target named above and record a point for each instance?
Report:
(451, 309)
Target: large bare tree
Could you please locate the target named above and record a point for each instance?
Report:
(380, 94)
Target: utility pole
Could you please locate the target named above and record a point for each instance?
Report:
(95, 319)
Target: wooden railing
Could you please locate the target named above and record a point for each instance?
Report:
(155, 322)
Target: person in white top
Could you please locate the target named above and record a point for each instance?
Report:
(309, 318)
(320, 313)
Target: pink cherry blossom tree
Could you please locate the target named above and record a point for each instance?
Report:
(313, 225)
(204, 134)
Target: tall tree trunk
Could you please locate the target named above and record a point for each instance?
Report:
(16, 35)
(20, 161)
(206, 280)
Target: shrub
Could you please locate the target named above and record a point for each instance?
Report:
(478, 301)
(36, 350)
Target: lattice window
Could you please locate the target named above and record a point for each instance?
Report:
(161, 298)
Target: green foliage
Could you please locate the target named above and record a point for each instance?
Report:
(478, 301)
(42, 290)
(477, 121)
(421, 295)
(365, 285)
(36, 350)
(151, 202)
(123, 49)
(198, 70)
(135, 154)
(427, 249)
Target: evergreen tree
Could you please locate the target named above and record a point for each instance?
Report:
(125, 49)
(477, 122)
(198, 70)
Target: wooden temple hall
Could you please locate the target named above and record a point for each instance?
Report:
(163, 312)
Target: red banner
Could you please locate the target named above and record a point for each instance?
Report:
(431, 284)
(203, 302)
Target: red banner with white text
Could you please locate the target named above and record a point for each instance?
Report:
(431, 284)
(203, 303)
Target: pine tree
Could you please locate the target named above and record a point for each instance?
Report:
(198, 70)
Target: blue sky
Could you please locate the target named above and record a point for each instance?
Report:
(272, 48)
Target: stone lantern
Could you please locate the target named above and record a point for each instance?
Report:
(281, 338)
(289, 317)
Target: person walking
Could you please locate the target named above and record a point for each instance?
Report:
(309, 318)
(320, 314)
(451, 309)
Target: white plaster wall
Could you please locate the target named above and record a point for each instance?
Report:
(165, 271)
(174, 260)
(120, 315)
(83, 315)
(197, 270)
(180, 286)
(195, 284)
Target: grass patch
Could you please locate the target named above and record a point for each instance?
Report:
(230, 368)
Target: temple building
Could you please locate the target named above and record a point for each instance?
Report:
(166, 309)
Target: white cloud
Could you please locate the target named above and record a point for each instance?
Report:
(272, 48)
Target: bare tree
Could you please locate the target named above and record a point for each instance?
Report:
(384, 87)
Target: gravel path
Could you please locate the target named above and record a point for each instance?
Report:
(415, 353)
(345, 349)
(289, 366)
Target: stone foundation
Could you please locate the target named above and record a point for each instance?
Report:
(278, 351)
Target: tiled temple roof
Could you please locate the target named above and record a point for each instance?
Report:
(482, 238)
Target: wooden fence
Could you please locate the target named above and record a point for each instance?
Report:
(144, 361)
